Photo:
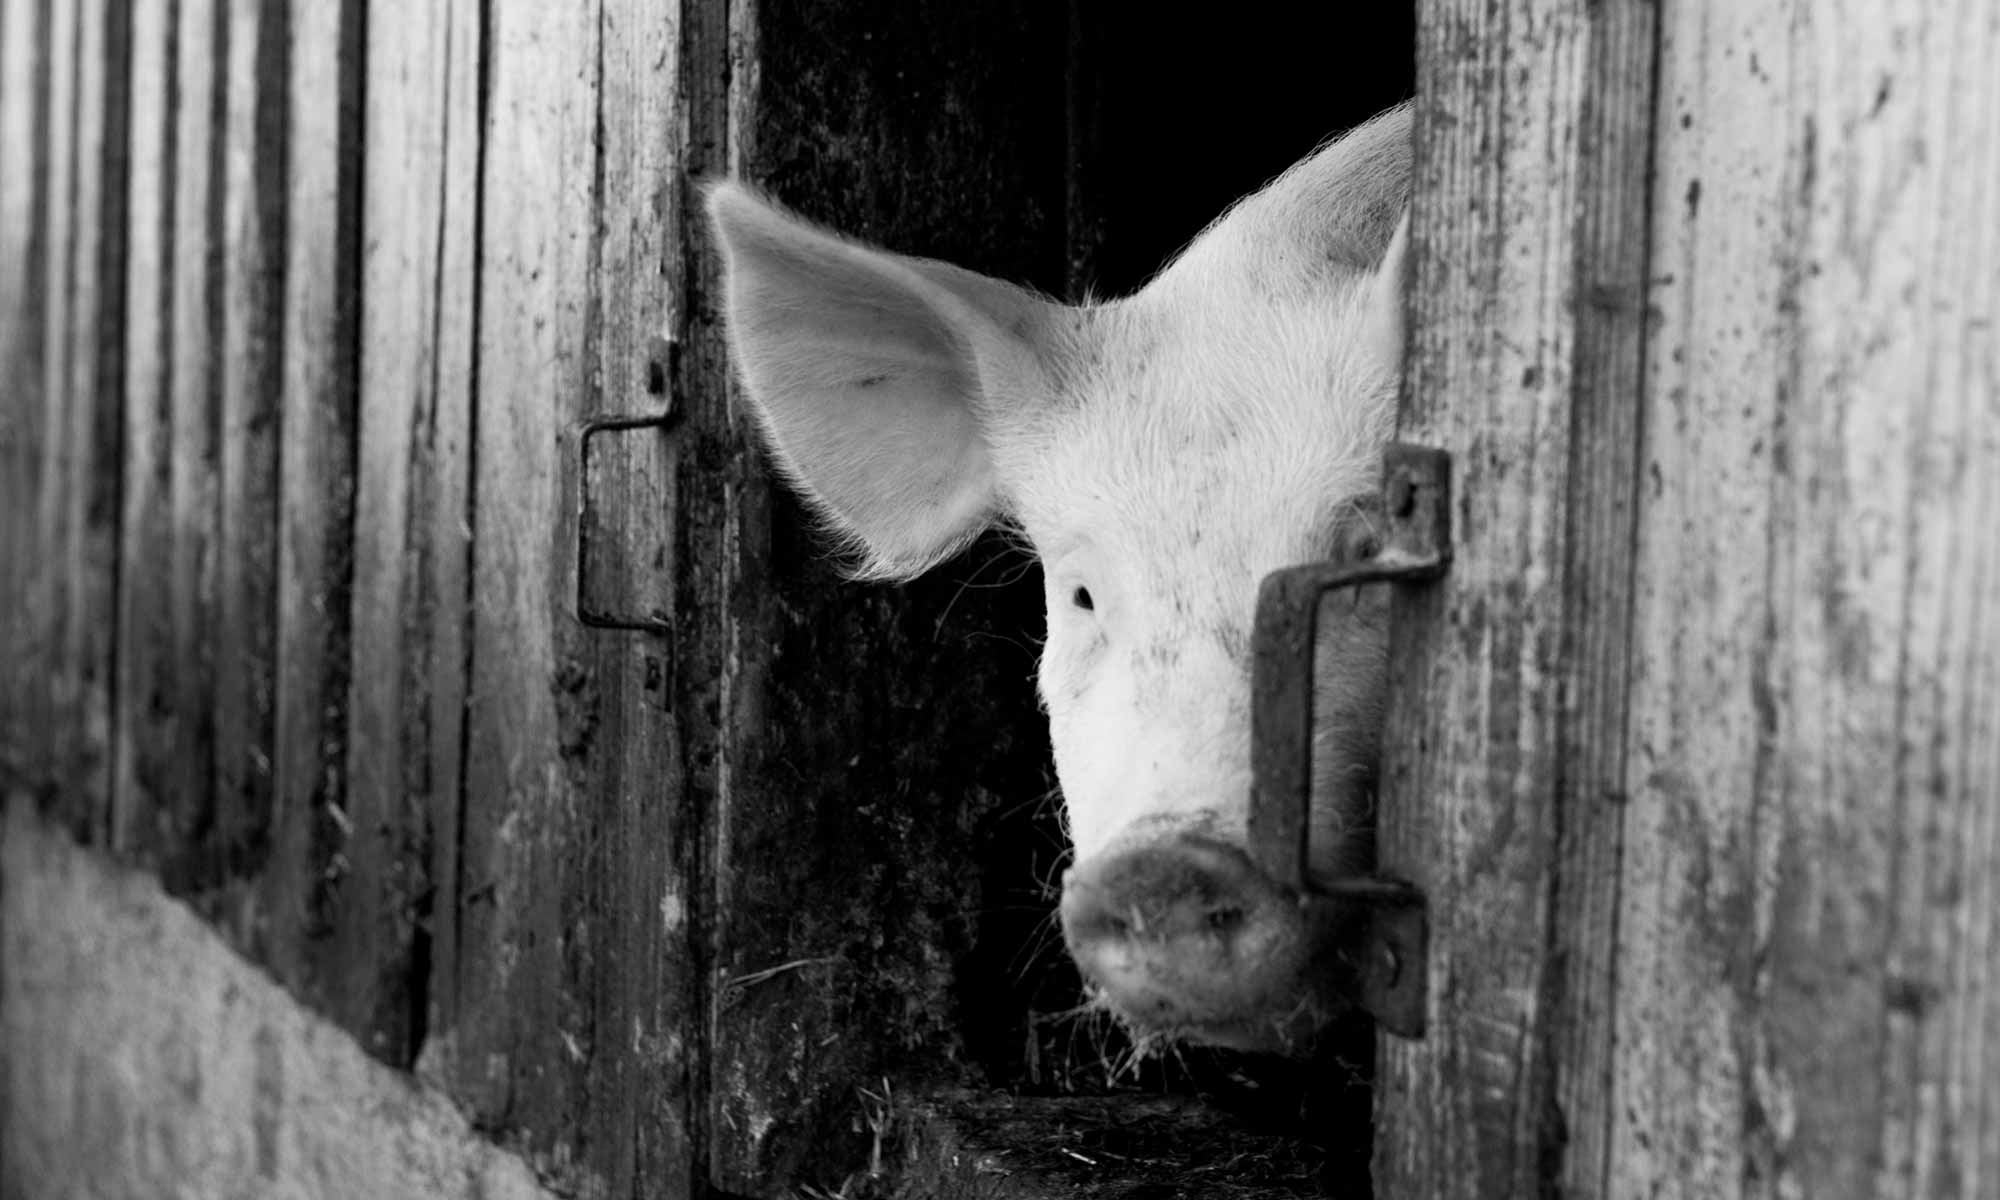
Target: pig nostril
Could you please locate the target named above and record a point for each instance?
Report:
(1173, 898)
(1095, 923)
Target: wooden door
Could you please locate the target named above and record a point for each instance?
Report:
(1699, 756)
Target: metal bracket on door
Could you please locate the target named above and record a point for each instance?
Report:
(586, 522)
(1414, 548)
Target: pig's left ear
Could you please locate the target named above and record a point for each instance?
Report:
(876, 378)
(1388, 290)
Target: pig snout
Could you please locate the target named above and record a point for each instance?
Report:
(1184, 936)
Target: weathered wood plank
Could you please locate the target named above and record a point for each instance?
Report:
(1692, 877)
(20, 469)
(1501, 787)
(719, 82)
(300, 891)
(55, 217)
(574, 1001)
(1941, 1072)
(145, 737)
(24, 144)
(638, 866)
(74, 563)
(564, 989)
(251, 133)
(62, 164)
(62, 227)
(1808, 1001)
(61, 230)
(184, 795)
(101, 403)
(406, 688)
(520, 1031)
(1608, 314)
(447, 625)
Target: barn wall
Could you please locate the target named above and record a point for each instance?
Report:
(1697, 757)
(317, 298)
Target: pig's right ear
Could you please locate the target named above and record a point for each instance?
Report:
(1388, 291)
(875, 378)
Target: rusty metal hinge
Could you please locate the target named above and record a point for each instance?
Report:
(1415, 548)
(609, 593)
(594, 577)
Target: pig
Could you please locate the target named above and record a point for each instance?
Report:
(1160, 453)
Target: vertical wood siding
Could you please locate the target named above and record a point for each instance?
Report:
(144, 742)
(250, 259)
(411, 507)
(1807, 1000)
(1501, 788)
(23, 91)
(63, 144)
(311, 295)
(1702, 759)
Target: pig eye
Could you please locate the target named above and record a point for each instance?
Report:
(1081, 598)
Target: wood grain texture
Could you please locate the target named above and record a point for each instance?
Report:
(63, 228)
(719, 79)
(164, 805)
(83, 534)
(1707, 777)
(519, 1027)
(146, 740)
(441, 620)
(48, 595)
(411, 540)
(645, 994)
(63, 384)
(301, 903)
(251, 259)
(1501, 792)
(1609, 318)
(1807, 1000)
(186, 800)
(567, 1004)
(24, 132)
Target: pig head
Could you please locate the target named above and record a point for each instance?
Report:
(1161, 453)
